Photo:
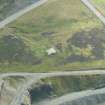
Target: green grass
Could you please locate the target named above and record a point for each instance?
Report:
(62, 17)
(49, 68)
(14, 81)
(64, 85)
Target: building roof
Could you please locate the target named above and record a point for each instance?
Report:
(51, 51)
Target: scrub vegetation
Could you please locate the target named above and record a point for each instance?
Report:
(58, 86)
(66, 25)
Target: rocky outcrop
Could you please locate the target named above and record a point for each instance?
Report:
(8, 90)
(6, 93)
(26, 99)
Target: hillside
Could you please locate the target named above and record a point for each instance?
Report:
(65, 25)
(58, 86)
(48, 88)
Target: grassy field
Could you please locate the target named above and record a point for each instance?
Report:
(59, 24)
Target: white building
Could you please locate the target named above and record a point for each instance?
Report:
(51, 51)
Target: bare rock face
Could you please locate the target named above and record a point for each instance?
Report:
(26, 99)
(6, 93)
(8, 90)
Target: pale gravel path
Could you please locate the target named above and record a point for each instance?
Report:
(73, 96)
(94, 10)
(36, 76)
(20, 13)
